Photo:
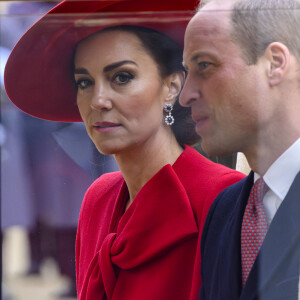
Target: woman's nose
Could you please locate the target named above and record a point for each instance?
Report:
(101, 99)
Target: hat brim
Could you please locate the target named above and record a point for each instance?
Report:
(38, 73)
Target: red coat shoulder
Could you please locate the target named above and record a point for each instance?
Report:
(107, 187)
(203, 180)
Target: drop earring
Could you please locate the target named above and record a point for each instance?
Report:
(169, 119)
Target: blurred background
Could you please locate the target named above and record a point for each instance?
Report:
(46, 167)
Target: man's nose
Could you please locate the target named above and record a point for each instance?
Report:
(188, 93)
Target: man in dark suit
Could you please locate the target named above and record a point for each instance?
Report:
(243, 86)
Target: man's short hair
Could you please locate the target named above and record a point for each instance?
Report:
(202, 3)
(258, 23)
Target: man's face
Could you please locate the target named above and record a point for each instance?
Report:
(223, 92)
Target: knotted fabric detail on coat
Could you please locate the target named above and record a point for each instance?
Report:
(145, 232)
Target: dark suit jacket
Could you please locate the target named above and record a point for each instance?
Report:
(275, 273)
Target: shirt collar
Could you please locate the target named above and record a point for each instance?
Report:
(283, 171)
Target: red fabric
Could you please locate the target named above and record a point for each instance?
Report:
(152, 251)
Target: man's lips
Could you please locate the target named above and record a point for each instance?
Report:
(199, 118)
(200, 121)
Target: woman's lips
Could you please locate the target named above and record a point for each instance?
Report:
(106, 126)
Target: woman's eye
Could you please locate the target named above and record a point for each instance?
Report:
(83, 83)
(122, 78)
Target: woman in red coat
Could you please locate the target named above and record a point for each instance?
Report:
(139, 229)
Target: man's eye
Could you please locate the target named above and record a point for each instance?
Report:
(122, 78)
(203, 65)
(83, 83)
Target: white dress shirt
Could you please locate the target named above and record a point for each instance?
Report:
(279, 179)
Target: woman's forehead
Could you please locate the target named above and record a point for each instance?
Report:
(109, 48)
(105, 40)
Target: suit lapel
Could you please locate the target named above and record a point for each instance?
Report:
(281, 237)
(232, 262)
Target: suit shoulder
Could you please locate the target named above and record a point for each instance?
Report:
(228, 197)
(221, 209)
(234, 189)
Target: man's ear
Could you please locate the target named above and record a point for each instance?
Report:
(174, 83)
(278, 56)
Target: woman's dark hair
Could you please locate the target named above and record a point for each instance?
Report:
(168, 56)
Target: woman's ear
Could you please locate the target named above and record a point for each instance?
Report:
(279, 58)
(174, 83)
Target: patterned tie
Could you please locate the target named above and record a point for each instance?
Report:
(254, 227)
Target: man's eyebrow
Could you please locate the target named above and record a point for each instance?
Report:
(200, 55)
(118, 64)
(195, 57)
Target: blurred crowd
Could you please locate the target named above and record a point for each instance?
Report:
(46, 166)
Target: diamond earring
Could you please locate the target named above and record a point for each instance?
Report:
(169, 119)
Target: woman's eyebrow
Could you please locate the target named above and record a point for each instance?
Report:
(81, 71)
(118, 64)
(107, 68)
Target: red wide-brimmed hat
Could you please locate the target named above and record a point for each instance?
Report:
(38, 73)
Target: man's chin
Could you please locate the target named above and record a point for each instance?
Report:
(214, 149)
